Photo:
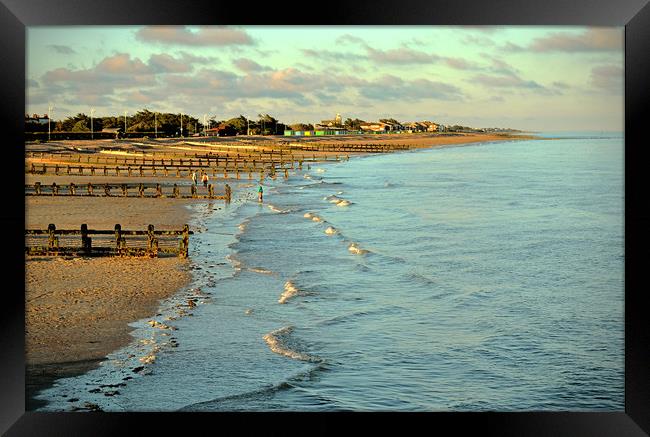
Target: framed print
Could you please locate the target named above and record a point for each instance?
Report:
(379, 215)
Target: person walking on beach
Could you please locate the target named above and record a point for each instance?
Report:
(204, 179)
(194, 177)
(260, 194)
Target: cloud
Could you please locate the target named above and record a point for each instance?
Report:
(62, 50)
(328, 55)
(608, 77)
(401, 55)
(390, 87)
(204, 36)
(512, 81)
(461, 64)
(165, 63)
(482, 41)
(248, 65)
(347, 38)
(590, 40)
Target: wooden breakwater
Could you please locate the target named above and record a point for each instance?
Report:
(116, 242)
(144, 190)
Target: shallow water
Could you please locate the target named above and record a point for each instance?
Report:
(481, 277)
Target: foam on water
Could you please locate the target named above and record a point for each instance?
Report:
(290, 290)
(277, 342)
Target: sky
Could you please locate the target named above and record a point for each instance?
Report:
(538, 78)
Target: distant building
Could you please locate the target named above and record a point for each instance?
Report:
(35, 118)
(376, 126)
(337, 122)
(223, 130)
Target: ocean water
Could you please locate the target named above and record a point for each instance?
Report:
(473, 278)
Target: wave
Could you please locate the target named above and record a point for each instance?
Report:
(290, 291)
(343, 202)
(331, 230)
(316, 219)
(308, 215)
(354, 248)
(260, 270)
(278, 342)
(278, 210)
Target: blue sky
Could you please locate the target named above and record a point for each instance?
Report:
(535, 78)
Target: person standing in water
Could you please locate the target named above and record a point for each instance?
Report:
(204, 179)
(194, 177)
(260, 194)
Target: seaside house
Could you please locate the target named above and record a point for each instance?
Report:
(377, 126)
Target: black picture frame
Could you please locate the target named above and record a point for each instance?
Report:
(15, 15)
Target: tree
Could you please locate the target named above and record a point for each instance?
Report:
(80, 126)
(302, 126)
(353, 124)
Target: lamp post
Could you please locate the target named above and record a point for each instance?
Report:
(125, 123)
(50, 109)
(181, 125)
(92, 132)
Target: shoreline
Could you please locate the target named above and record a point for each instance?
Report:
(92, 334)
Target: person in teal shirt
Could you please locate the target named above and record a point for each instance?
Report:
(260, 193)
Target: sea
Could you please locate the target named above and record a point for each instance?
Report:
(479, 277)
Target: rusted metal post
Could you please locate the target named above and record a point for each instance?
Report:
(86, 242)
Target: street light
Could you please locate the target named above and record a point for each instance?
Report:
(92, 135)
(50, 109)
(181, 125)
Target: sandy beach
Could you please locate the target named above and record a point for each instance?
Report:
(78, 309)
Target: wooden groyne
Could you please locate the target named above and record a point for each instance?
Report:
(116, 242)
(143, 190)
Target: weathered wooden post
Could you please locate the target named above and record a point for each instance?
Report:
(166, 172)
(178, 172)
(53, 241)
(105, 171)
(117, 170)
(141, 190)
(193, 190)
(141, 172)
(55, 189)
(300, 164)
(81, 169)
(237, 172)
(124, 189)
(68, 169)
(286, 173)
(210, 191)
(90, 189)
(153, 170)
(92, 170)
(32, 169)
(176, 191)
(107, 190)
(44, 169)
(129, 170)
(152, 242)
(37, 188)
(56, 169)
(72, 189)
(225, 172)
(228, 193)
(86, 242)
(250, 173)
(118, 239)
(185, 242)
(158, 191)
